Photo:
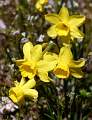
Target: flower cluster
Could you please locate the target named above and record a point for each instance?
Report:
(37, 62)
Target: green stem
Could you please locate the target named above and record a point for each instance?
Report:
(49, 47)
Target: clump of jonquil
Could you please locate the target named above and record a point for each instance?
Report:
(39, 63)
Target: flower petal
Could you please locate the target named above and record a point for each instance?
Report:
(76, 33)
(52, 18)
(40, 3)
(77, 64)
(22, 82)
(65, 55)
(76, 72)
(49, 56)
(31, 93)
(29, 84)
(64, 14)
(19, 62)
(46, 66)
(43, 76)
(27, 48)
(36, 53)
(52, 31)
(48, 63)
(76, 20)
(43, 1)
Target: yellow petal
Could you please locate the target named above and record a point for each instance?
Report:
(65, 55)
(52, 18)
(43, 76)
(19, 62)
(16, 83)
(76, 33)
(29, 84)
(77, 64)
(40, 3)
(36, 53)
(61, 71)
(76, 20)
(22, 82)
(31, 93)
(64, 14)
(27, 48)
(43, 1)
(46, 66)
(38, 6)
(76, 72)
(62, 29)
(48, 56)
(52, 31)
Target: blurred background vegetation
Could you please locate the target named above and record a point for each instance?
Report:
(68, 100)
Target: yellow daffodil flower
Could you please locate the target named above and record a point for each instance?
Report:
(23, 89)
(66, 65)
(65, 25)
(35, 63)
(40, 3)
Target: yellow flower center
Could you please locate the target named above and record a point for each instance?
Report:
(62, 26)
